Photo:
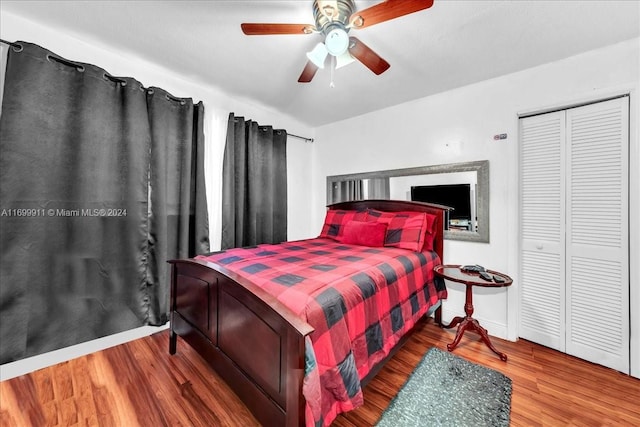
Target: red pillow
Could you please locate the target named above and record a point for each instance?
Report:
(335, 220)
(364, 233)
(406, 229)
(430, 232)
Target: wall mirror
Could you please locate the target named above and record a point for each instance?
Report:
(462, 186)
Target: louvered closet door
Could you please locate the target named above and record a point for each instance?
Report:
(542, 207)
(598, 233)
(574, 231)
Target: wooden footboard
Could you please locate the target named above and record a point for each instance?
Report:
(251, 340)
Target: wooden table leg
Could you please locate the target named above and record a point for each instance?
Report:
(468, 322)
(454, 322)
(485, 337)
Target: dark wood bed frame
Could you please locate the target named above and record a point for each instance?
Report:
(254, 342)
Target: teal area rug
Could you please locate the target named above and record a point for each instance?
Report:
(446, 390)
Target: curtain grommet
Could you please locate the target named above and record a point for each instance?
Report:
(109, 78)
(173, 98)
(17, 47)
(66, 62)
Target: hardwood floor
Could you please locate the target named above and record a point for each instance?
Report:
(140, 384)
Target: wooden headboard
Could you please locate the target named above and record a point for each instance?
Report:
(403, 205)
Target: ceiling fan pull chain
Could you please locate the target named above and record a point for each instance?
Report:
(333, 69)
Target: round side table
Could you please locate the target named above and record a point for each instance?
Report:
(470, 279)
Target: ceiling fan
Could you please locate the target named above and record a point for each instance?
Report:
(334, 19)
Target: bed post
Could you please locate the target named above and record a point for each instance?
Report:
(437, 316)
(173, 337)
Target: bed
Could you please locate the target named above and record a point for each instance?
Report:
(297, 329)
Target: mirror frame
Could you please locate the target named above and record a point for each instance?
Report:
(481, 167)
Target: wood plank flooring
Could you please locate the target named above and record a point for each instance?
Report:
(140, 384)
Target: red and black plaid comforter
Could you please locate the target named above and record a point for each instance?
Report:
(359, 299)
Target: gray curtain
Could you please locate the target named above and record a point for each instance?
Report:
(347, 190)
(100, 183)
(178, 222)
(378, 188)
(254, 184)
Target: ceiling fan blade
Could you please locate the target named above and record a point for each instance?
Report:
(386, 11)
(368, 57)
(272, 29)
(307, 74)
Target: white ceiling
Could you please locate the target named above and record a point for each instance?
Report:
(452, 44)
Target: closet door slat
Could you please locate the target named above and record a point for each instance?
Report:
(598, 233)
(542, 195)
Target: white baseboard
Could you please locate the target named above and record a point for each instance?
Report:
(494, 329)
(30, 364)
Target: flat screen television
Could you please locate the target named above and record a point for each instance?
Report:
(456, 196)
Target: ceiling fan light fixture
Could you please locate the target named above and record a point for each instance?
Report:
(318, 55)
(337, 41)
(344, 60)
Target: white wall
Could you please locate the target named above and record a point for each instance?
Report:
(458, 126)
(449, 127)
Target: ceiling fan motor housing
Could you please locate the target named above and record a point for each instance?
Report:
(332, 13)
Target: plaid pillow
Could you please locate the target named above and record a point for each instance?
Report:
(406, 230)
(336, 219)
(364, 233)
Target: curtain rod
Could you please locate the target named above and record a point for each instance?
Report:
(9, 43)
(305, 139)
(300, 137)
